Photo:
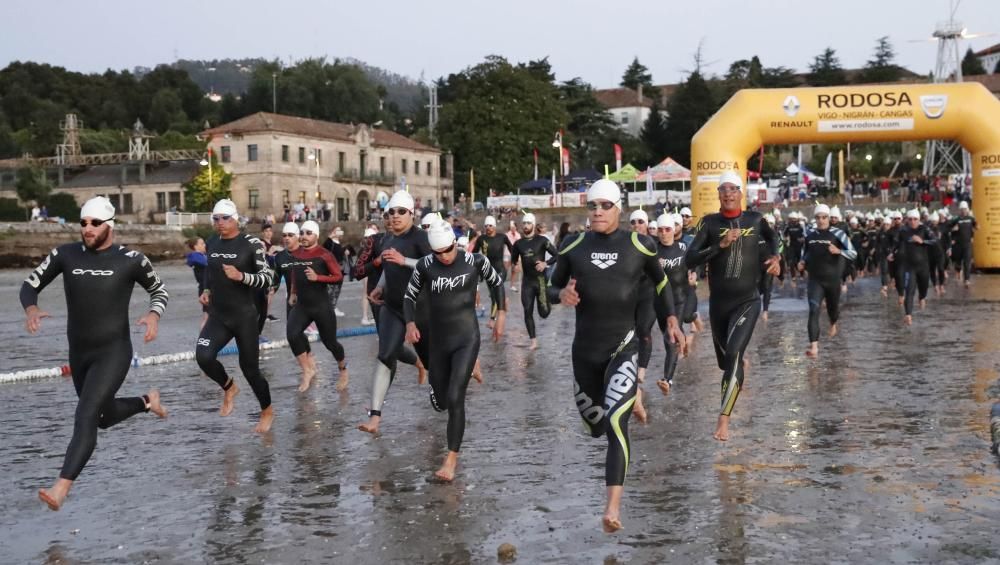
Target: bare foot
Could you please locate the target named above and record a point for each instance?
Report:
(763, 315)
(447, 471)
(638, 409)
(307, 377)
(534, 344)
(813, 350)
(55, 496)
(477, 373)
(266, 419)
(923, 303)
(343, 379)
(833, 330)
(698, 324)
(664, 386)
(900, 301)
(421, 377)
(371, 426)
(154, 403)
(641, 374)
(489, 323)
(611, 523)
(885, 292)
(229, 400)
(690, 339)
(722, 429)
(908, 320)
(843, 289)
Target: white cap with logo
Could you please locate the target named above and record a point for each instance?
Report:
(638, 215)
(528, 218)
(310, 226)
(440, 236)
(731, 177)
(225, 207)
(291, 227)
(605, 189)
(685, 211)
(821, 209)
(400, 199)
(490, 221)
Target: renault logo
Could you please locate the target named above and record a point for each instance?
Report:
(791, 105)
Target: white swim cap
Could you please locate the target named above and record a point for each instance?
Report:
(463, 242)
(853, 221)
(934, 217)
(665, 220)
(440, 236)
(400, 199)
(731, 177)
(822, 209)
(963, 205)
(310, 226)
(639, 215)
(685, 211)
(913, 214)
(528, 218)
(99, 208)
(678, 220)
(769, 218)
(605, 189)
(370, 232)
(835, 212)
(653, 225)
(490, 221)
(225, 207)
(897, 215)
(291, 227)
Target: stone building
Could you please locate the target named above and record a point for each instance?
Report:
(279, 161)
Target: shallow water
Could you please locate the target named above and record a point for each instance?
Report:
(876, 452)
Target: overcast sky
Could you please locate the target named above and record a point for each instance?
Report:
(586, 38)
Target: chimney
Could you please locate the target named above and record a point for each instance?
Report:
(640, 95)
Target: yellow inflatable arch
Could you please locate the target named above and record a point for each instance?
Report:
(964, 112)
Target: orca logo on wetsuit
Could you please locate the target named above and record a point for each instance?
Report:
(94, 272)
(224, 255)
(441, 284)
(603, 260)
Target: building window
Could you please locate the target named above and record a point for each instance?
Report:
(343, 213)
(284, 153)
(381, 166)
(341, 161)
(227, 154)
(252, 152)
(416, 167)
(254, 198)
(175, 200)
(302, 197)
(302, 155)
(624, 118)
(285, 201)
(403, 167)
(161, 201)
(430, 171)
(444, 167)
(319, 156)
(127, 204)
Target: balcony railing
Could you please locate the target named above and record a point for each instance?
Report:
(369, 177)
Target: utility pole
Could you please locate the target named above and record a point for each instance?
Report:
(432, 107)
(274, 93)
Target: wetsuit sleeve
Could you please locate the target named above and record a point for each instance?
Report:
(46, 272)
(804, 254)
(366, 257)
(262, 277)
(551, 250)
(847, 248)
(150, 281)
(510, 246)
(701, 249)
(515, 255)
(560, 278)
(335, 275)
(491, 277)
(929, 237)
(279, 273)
(413, 291)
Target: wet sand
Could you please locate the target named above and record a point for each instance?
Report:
(877, 452)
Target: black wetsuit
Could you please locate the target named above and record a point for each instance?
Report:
(733, 278)
(672, 262)
(454, 329)
(914, 262)
(607, 268)
(795, 236)
(413, 246)
(98, 286)
(310, 300)
(690, 312)
(963, 228)
(890, 267)
(936, 256)
(493, 247)
(232, 311)
(530, 250)
(282, 271)
(365, 268)
(339, 255)
(825, 273)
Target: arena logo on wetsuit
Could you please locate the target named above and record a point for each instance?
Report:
(590, 411)
(622, 382)
(93, 272)
(603, 260)
(448, 283)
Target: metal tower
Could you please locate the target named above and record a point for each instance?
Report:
(68, 152)
(945, 156)
(432, 107)
(138, 143)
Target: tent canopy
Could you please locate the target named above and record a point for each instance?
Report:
(628, 173)
(540, 185)
(667, 170)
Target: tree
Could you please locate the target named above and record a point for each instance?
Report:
(32, 186)
(881, 67)
(691, 105)
(210, 185)
(654, 135)
(590, 125)
(825, 70)
(971, 65)
(637, 75)
(493, 115)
